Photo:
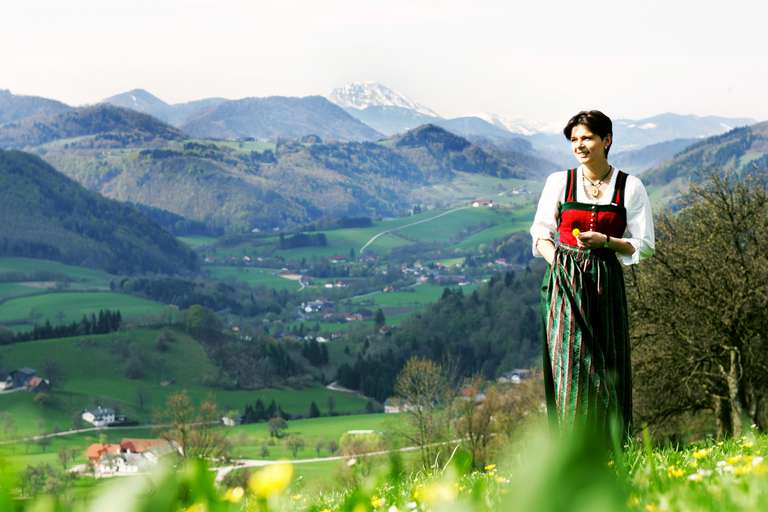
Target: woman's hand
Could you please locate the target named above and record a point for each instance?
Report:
(591, 240)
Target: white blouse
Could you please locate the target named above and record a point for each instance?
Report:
(639, 231)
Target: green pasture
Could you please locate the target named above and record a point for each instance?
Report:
(247, 440)
(415, 296)
(83, 275)
(66, 307)
(428, 226)
(196, 242)
(92, 370)
(252, 276)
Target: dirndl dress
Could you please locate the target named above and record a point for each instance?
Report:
(587, 373)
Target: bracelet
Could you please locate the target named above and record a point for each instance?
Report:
(607, 241)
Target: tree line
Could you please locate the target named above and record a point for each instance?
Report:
(104, 322)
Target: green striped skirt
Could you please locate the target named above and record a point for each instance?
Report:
(587, 374)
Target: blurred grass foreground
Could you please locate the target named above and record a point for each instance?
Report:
(537, 473)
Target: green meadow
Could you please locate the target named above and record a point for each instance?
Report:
(252, 276)
(66, 307)
(92, 370)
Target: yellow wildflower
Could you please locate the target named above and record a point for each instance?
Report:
(490, 467)
(575, 232)
(651, 508)
(633, 501)
(271, 480)
(701, 453)
(436, 493)
(733, 459)
(377, 501)
(234, 494)
(675, 472)
(742, 469)
(196, 507)
(747, 444)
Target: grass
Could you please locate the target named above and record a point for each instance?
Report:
(66, 307)
(195, 242)
(454, 226)
(83, 275)
(248, 439)
(252, 276)
(92, 370)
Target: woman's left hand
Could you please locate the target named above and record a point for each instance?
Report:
(591, 240)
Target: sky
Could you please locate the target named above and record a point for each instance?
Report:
(536, 60)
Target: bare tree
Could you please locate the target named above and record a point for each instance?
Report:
(194, 429)
(699, 309)
(423, 386)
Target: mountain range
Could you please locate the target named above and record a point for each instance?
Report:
(237, 186)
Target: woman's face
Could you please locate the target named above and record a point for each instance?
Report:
(588, 147)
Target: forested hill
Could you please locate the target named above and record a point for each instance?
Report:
(435, 150)
(124, 125)
(492, 330)
(46, 215)
(741, 150)
(14, 107)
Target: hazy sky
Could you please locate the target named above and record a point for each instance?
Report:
(539, 60)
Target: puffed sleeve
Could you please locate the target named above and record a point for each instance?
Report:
(545, 222)
(639, 230)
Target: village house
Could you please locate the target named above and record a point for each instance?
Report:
(515, 376)
(483, 202)
(38, 384)
(99, 416)
(131, 456)
(396, 405)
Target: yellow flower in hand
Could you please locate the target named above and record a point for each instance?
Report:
(575, 232)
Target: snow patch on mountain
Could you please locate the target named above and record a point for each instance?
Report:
(516, 124)
(361, 95)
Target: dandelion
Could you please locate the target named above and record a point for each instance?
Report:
(701, 453)
(377, 501)
(735, 459)
(675, 472)
(575, 232)
(436, 493)
(742, 470)
(271, 480)
(234, 495)
(490, 467)
(651, 508)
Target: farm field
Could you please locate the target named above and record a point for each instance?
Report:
(253, 276)
(92, 369)
(464, 223)
(66, 307)
(81, 275)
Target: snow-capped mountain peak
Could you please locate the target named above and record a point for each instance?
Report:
(361, 95)
(515, 125)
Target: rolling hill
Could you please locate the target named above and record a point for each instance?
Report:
(47, 215)
(125, 126)
(15, 107)
(278, 117)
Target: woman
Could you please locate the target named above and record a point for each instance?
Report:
(588, 220)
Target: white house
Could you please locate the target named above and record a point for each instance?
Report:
(99, 417)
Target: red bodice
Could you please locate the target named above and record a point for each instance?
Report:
(610, 219)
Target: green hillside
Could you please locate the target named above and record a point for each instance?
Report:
(87, 370)
(47, 215)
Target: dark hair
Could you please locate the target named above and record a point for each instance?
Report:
(597, 122)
